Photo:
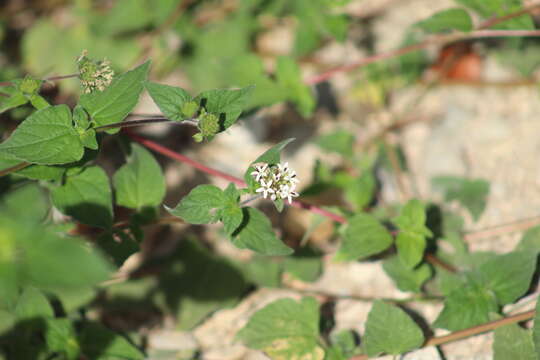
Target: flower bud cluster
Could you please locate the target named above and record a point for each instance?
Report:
(94, 75)
(276, 181)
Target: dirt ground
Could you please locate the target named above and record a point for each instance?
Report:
(483, 131)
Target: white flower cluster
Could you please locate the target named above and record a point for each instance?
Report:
(94, 75)
(277, 181)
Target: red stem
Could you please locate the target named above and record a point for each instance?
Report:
(182, 158)
(210, 171)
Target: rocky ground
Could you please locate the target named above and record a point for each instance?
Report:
(483, 131)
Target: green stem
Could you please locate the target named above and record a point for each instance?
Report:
(248, 200)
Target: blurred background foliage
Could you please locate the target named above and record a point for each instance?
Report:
(201, 45)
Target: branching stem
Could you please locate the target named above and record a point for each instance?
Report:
(52, 78)
(479, 33)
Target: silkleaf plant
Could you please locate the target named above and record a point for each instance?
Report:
(50, 159)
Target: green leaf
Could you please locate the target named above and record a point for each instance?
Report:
(226, 104)
(262, 271)
(86, 197)
(339, 141)
(232, 216)
(33, 304)
(513, 342)
(450, 19)
(169, 99)
(16, 99)
(465, 307)
(60, 337)
(118, 100)
(200, 284)
(285, 329)
(80, 118)
(530, 241)
(28, 85)
(200, 205)
(305, 265)
(345, 341)
(472, 194)
(412, 218)
(360, 191)
(448, 281)
(519, 55)
(126, 16)
(74, 299)
(316, 21)
(140, 182)
(508, 276)
(256, 233)
(364, 236)
(498, 8)
(88, 139)
(60, 255)
(411, 239)
(406, 279)
(288, 75)
(7, 322)
(410, 247)
(272, 156)
(46, 137)
(38, 102)
(390, 330)
(99, 343)
(15, 204)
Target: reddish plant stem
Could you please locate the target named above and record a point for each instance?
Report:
(52, 78)
(498, 20)
(480, 32)
(298, 204)
(210, 171)
(465, 333)
(365, 61)
(182, 158)
(519, 225)
(14, 168)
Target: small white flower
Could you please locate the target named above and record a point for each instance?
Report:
(261, 168)
(265, 191)
(260, 172)
(277, 181)
(266, 184)
(257, 175)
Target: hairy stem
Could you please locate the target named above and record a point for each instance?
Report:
(14, 168)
